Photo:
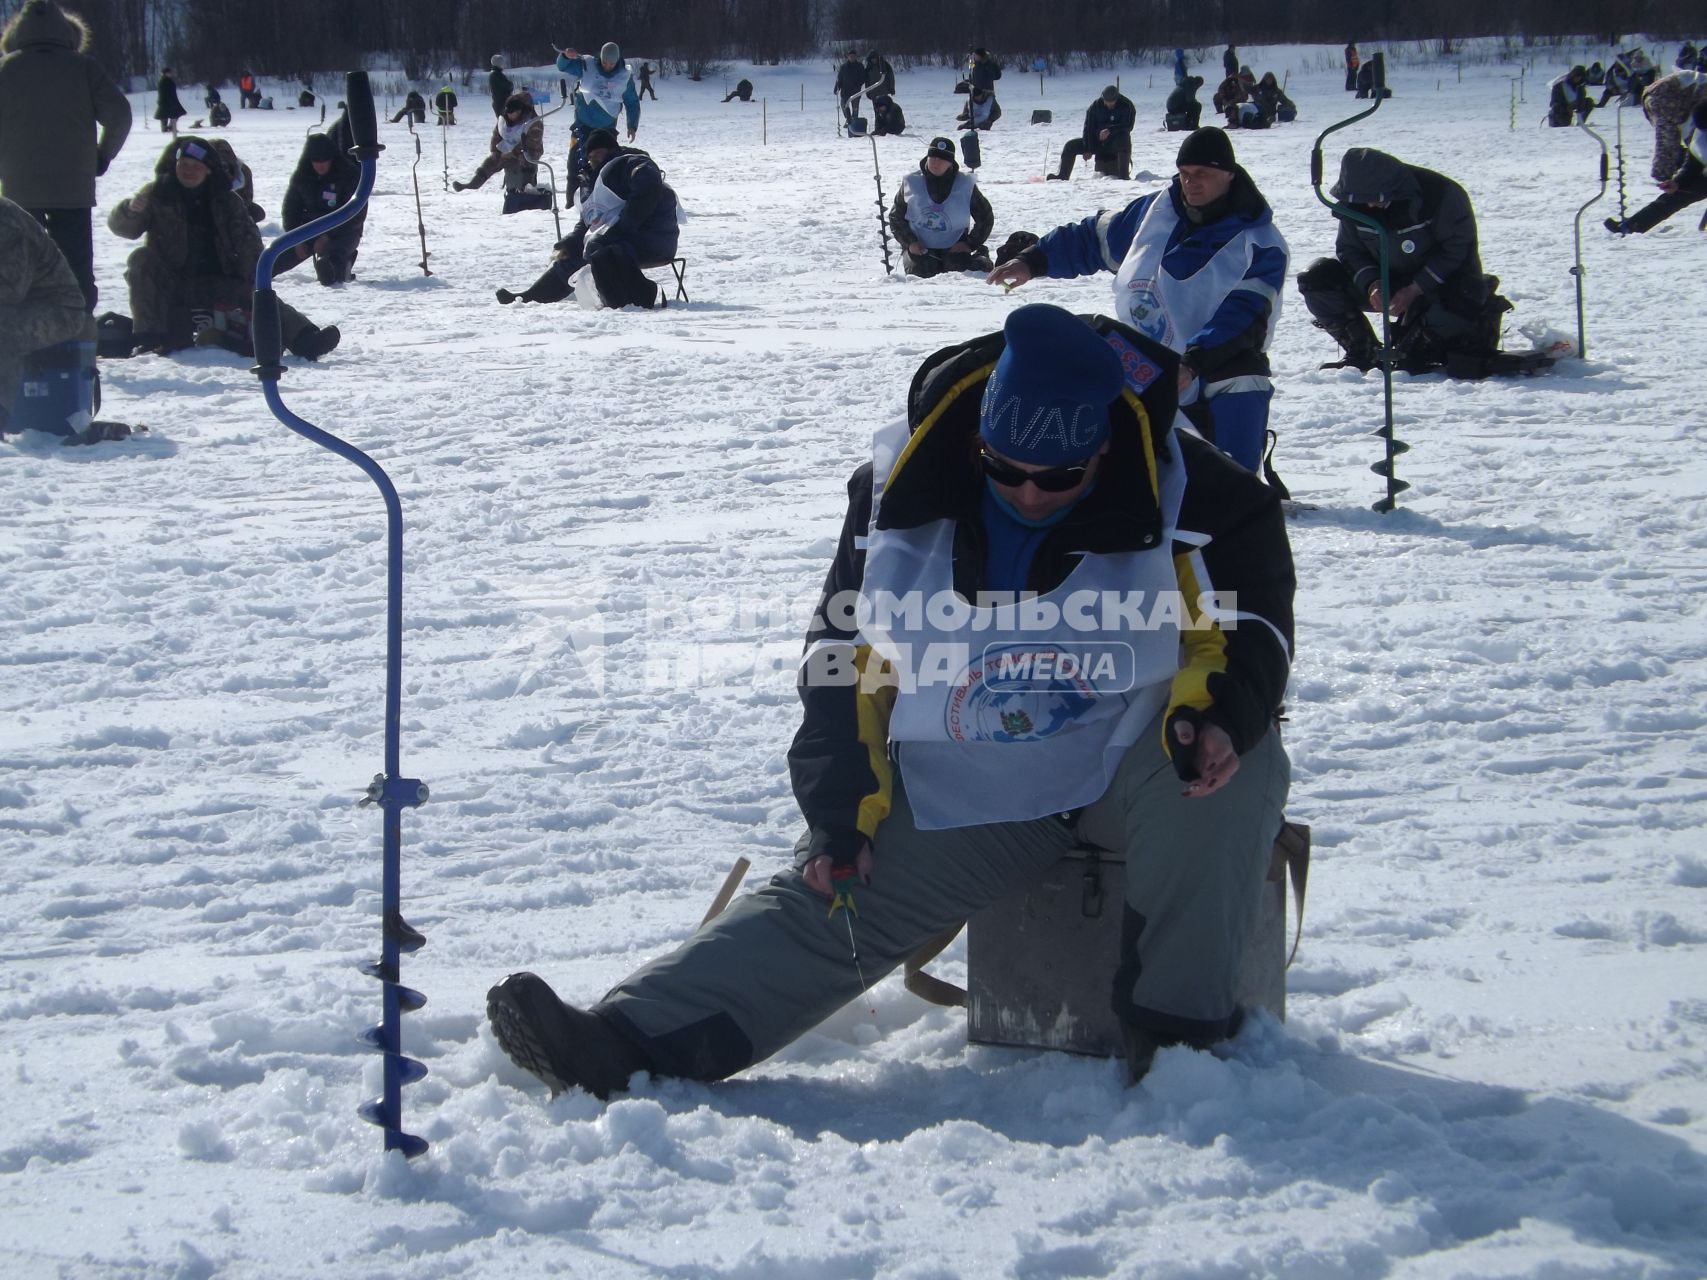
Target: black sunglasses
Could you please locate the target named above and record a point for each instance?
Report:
(1050, 480)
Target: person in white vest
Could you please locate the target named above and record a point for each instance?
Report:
(940, 217)
(517, 146)
(605, 96)
(1051, 619)
(627, 220)
(1199, 268)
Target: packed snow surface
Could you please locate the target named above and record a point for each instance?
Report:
(1494, 1059)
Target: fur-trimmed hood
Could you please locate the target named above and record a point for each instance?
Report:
(43, 23)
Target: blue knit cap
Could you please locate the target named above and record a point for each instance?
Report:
(1047, 402)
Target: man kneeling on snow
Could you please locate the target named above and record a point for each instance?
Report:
(1038, 475)
(940, 217)
(627, 221)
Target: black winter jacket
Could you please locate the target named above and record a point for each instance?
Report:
(1184, 96)
(840, 762)
(309, 195)
(502, 87)
(1118, 120)
(1429, 227)
(879, 78)
(850, 79)
(650, 207)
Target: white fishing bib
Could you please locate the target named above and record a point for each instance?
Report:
(1172, 311)
(601, 207)
(510, 135)
(939, 225)
(605, 91)
(1019, 710)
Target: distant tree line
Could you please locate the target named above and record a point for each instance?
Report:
(215, 39)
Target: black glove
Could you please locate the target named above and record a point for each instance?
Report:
(101, 163)
(1184, 756)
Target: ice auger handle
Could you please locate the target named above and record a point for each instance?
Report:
(264, 333)
(358, 106)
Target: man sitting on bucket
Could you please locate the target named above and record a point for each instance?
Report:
(1051, 620)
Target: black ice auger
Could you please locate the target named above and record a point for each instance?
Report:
(1386, 356)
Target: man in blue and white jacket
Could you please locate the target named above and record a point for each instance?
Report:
(606, 92)
(1198, 268)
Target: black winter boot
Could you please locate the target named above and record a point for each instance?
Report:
(1140, 1046)
(315, 341)
(1357, 340)
(564, 1046)
(553, 286)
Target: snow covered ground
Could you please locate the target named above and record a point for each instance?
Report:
(1496, 1058)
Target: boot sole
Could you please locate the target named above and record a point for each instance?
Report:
(518, 1039)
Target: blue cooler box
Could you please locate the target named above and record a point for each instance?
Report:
(57, 394)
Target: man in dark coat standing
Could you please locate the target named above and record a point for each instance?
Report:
(984, 72)
(168, 110)
(850, 83)
(1107, 136)
(500, 84)
(53, 98)
(1437, 289)
(879, 77)
(628, 221)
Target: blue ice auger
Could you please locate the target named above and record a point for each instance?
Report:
(1577, 269)
(1386, 356)
(390, 791)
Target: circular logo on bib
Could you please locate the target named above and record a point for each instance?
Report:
(1144, 306)
(1018, 693)
(1408, 246)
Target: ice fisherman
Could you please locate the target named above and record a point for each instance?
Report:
(324, 179)
(1686, 186)
(516, 148)
(1198, 267)
(940, 218)
(1037, 462)
(627, 222)
(1439, 294)
(850, 83)
(199, 255)
(1106, 137)
(605, 97)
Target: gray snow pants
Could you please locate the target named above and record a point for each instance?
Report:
(774, 965)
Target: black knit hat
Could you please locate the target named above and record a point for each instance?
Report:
(319, 147)
(601, 140)
(943, 147)
(1110, 92)
(1209, 147)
